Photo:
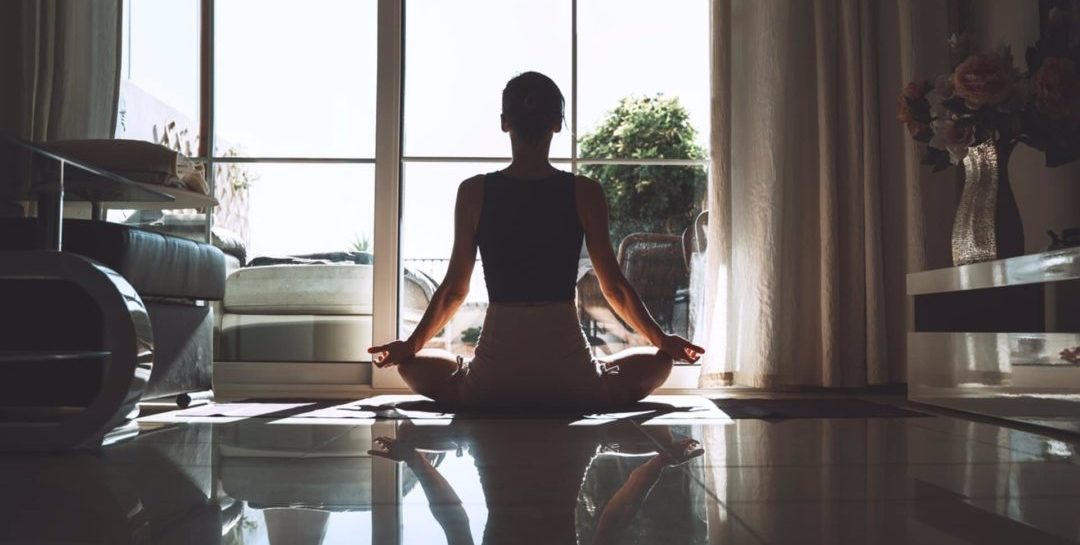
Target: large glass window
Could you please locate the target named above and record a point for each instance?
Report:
(159, 98)
(638, 75)
(296, 209)
(295, 79)
(159, 77)
(294, 152)
(295, 98)
(642, 49)
(458, 57)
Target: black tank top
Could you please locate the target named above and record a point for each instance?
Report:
(530, 238)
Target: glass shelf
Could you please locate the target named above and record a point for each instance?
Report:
(25, 356)
(28, 172)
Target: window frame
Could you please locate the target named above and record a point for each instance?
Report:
(389, 378)
(317, 379)
(389, 163)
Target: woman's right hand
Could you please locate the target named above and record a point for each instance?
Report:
(390, 354)
(680, 349)
(394, 450)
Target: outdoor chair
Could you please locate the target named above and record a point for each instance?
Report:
(653, 263)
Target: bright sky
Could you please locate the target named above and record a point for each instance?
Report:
(297, 79)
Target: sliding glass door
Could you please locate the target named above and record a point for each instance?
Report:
(336, 132)
(635, 77)
(458, 57)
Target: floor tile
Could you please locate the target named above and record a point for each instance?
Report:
(1055, 519)
(1044, 447)
(815, 442)
(1069, 424)
(898, 523)
(888, 482)
(532, 480)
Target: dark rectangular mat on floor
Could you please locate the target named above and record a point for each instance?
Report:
(782, 409)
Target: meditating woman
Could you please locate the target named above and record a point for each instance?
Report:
(528, 221)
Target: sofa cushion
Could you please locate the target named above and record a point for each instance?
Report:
(156, 265)
(300, 289)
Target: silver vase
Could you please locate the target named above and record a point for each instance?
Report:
(987, 224)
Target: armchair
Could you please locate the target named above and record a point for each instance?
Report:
(653, 264)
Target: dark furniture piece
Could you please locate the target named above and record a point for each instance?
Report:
(98, 316)
(174, 278)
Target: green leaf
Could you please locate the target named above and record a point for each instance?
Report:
(646, 197)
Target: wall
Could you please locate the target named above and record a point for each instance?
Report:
(1049, 198)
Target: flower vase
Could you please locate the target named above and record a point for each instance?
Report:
(987, 224)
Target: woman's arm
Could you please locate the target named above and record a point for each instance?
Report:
(453, 289)
(593, 213)
(443, 501)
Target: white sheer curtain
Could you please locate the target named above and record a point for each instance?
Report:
(817, 205)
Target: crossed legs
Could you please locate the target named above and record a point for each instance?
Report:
(431, 373)
(641, 370)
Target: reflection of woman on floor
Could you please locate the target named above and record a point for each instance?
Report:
(536, 502)
(528, 222)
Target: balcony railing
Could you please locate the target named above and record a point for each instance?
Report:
(436, 268)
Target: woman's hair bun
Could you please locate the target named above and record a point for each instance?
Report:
(532, 105)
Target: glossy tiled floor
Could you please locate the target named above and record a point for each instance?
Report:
(299, 481)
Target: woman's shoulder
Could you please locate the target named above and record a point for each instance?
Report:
(587, 187)
(472, 188)
(472, 183)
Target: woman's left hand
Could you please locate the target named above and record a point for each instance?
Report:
(681, 349)
(391, 354)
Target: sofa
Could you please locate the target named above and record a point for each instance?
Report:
(312, 308)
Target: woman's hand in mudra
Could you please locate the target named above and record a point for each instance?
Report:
(394, 450)
(681, 349)
(392, 353)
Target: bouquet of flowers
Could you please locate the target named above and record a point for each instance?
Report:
(985, 99)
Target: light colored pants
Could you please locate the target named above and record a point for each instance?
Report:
(533, 356)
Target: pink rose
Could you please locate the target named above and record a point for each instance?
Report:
(985, 79)
(905, 116)
(913, 93)
(1056, 87)
(949, 136)
(916, 90)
